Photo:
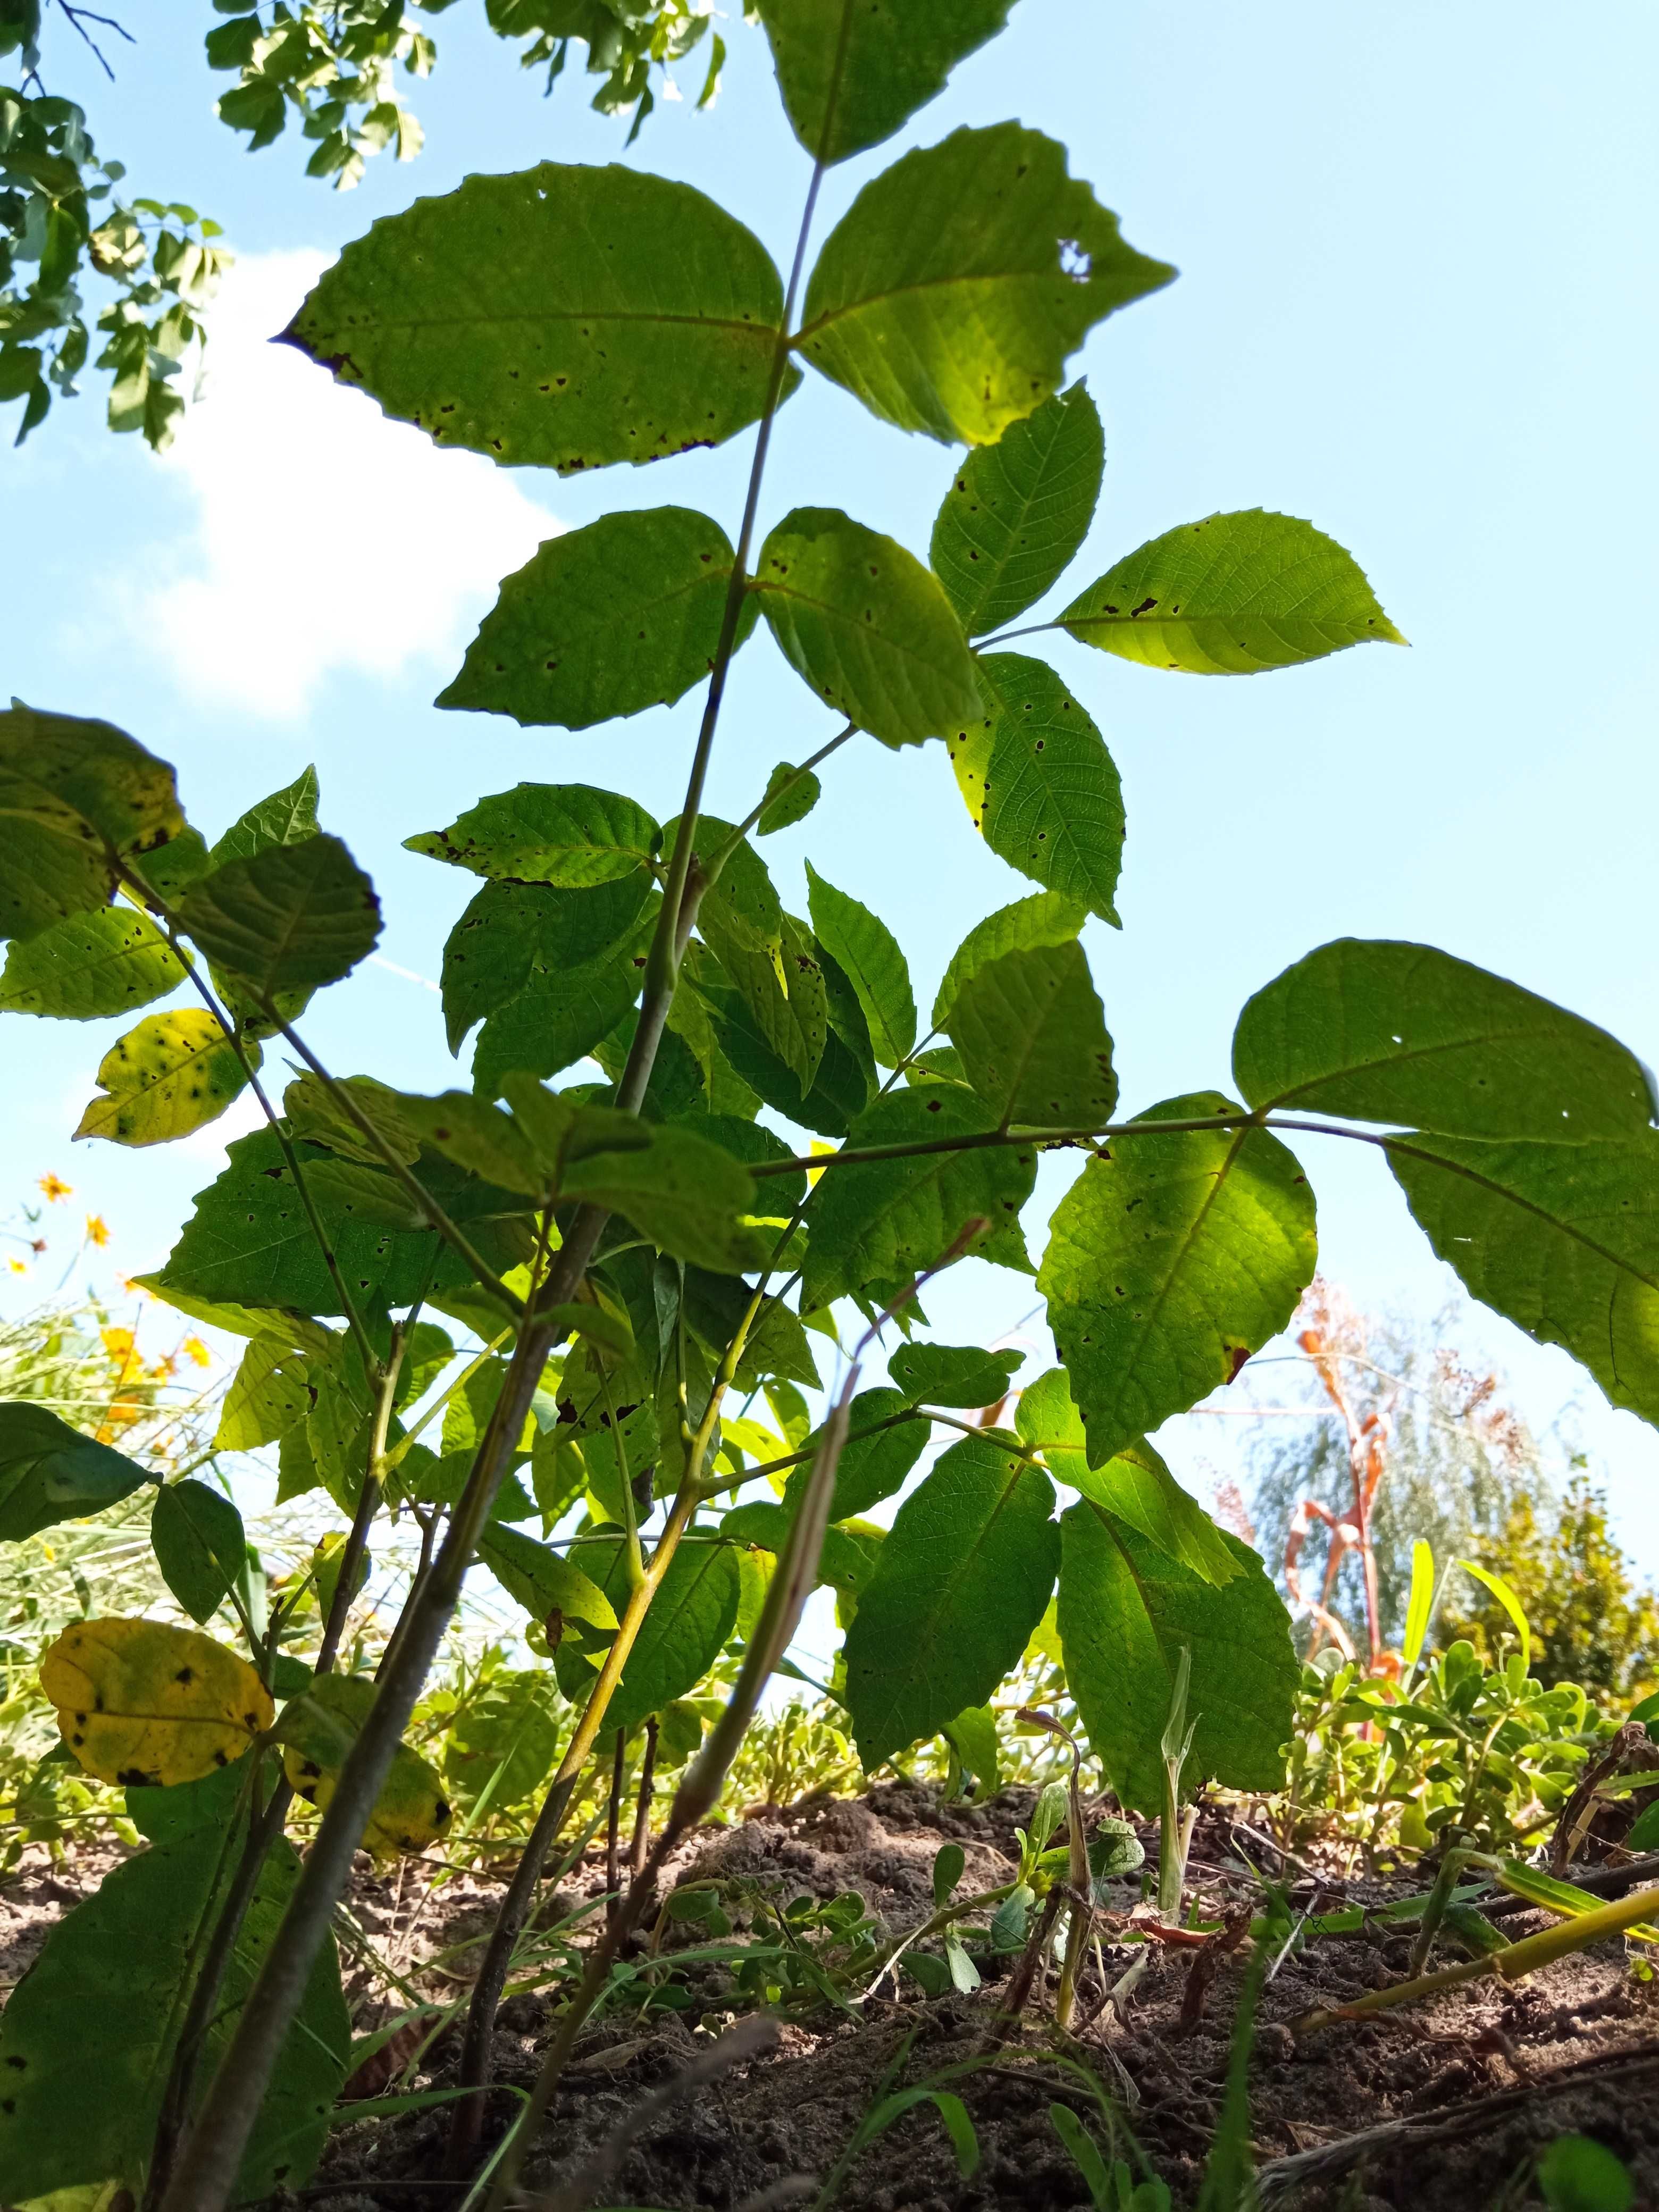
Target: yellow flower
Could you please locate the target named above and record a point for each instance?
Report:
(55, 1188)
(17, 1267)
(196, 1351)
(97, 1231)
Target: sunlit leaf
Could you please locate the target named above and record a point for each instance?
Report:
(682, 1634)
(851, 72)
(1032, 1035)
(545, 1583)
(288, 918)
(1018, 511)
(1047, 918)
(288, 816)
(869, 955)
(318, 1731)
(139, 1701)
(173, 1074)
(875, 1461)
(109, 962)
(568, 834)
(949, 295)
(77, 797)
(953, 1374)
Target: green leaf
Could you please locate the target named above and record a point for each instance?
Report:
(1421, 1602)
(288, 816)
(679, 1640)
(199, 1543)
(163, 1815)
(288, 918)
(533, 957)
(841, 1089)
(973, 1736)
(791, 794)
(1229, 596)
(608, 620)
(82, 2104)
(76, 797)
(1564, 1239)
(868, 954)
(1047, 918)
(1018, 511)
(1135, 1484)
(50, 1472)
(1039, 784)
(476, 1135)
(688, 1196)
(846, 1562)
(172, 1074)
(565, 317)
(1170, 1260)
(504, 1740)
(568, 834)
(850, 73)
(782, 986)
(872, 1466)
(1126, 1610)
(949, 295)
(1402, 1033)
(108, 962)
(961, 1581)
(1578, 2174)
(542, 1582)
(1033, 1040)
(953, 1374)
(881, 1222)
(1510, 1603)
(867, 626)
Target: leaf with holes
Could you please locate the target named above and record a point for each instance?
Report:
(543, 1582)
(605, 621)
(1018, 511)
(1042, 788)
(873, 1226)
(288, 918)
(173, 1074)
(1125, 1611)
(851, 72)
(869, 956)
(76, 799)
(544, 963)
(1229, 596)
(1564, 1239)
(199, 1543)
(140, 1702)
(571, 834)
(1402, 1033)
(953, 1374)
(951, 293)
(317, 1732)
(50, 1472)
(960, 1583)
(1171, 1260)
(1033, 1040)
(109, 962)
(564, 317)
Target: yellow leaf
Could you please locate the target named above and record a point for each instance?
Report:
(319, 1730)
(140, 1703)
(168, 1076)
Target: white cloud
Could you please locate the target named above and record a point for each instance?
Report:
(327, 539)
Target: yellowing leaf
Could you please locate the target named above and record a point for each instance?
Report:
(319, 1730)
(140, 1703)
(164, 1078)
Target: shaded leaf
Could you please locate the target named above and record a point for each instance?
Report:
(199, 1543)
(1032, 1035)
(503, 1742)
(563, 316)
(317, 1733)
(535, 958)
(851, 73)
(605, 621)
(1229, 596)
(1018, 511)
(173, 1074)
(874, 1464)
(1170, 1260)
(50, 1472)
(76, 797)
(542, 1580)
(869, 955)
(953, 1374)
(790, 795)
(865, 625)
(949, 295)
(1403, 1033)
(960, 1583)
(139, 1701)
(1126, 1610)
(288, 918)
(108, 962)
(1047, 918)
(568, 834)
(688, 1196)
(682, 1634)
(782, 986)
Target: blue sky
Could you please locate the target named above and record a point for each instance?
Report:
(1416, 305)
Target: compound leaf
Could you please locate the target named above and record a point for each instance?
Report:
(1018, 511)
(1033, 1040)
(867, 626)
(869, 955)
(173, 1074)
(880, 1222)
(199, 1543)
(109, 962)
(76, 799)
(140, 1703)
(566, 316)
(50, 1472)
(288, 816)
(1229, 596)
(688, 1196)
(1125, 1611)
(953, 1374)
(959, 1584)
(571, 834)
(608, 620)
(949, 295)
(1170, 1260)
(1041, 787)
(1403, 1033)
(287, 918)
(1564, 1239)
(851, 73)
(1050, 918)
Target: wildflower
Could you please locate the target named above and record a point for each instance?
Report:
(17, 1267)
(118, 1343)
(97, 1231)
(55, 1188)
(195, 1351)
